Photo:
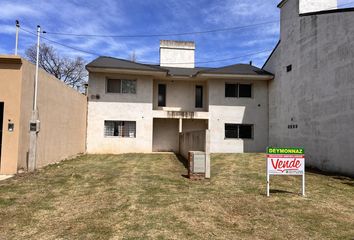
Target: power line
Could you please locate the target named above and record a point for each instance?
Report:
(61, 44)
(163, 35)
(176, 34)
(197, 62)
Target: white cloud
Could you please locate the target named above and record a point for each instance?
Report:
(7, 29)
(145, 17)
(13, 11)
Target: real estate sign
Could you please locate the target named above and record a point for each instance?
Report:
(286, 161)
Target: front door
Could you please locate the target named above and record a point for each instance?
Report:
(1, 123)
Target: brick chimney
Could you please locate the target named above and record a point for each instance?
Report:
(308, 6)
(177, 54)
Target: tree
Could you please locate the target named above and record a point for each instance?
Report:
(71, 71)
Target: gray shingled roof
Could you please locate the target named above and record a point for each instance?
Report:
(110, 62)
(240, 69)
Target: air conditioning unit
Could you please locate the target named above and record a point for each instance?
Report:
(196, 164)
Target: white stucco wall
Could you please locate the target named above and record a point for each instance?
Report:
(192, 141)
(177, 54)
(238, 111)
(318, 94)
(166, 135)
(307, 6)
(158, 132)
(189, 125)
(177, 57)
(122, 107)
(180, 95)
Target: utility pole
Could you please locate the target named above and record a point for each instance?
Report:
(17, 30)
(34, 123)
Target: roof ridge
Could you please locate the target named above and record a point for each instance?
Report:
(126, 60)
(150, 67)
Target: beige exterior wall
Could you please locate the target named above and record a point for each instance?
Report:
(180, 95)
(62, 112)
(120, 107)
(238, 111)
(10, 94)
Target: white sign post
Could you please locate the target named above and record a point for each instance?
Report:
(286, 161)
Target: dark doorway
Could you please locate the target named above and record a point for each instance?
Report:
(1, 123)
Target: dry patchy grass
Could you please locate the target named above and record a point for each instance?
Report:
(136, 196)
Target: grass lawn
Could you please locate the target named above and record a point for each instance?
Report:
(138, 196)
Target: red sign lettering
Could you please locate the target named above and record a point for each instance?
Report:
(283, 165)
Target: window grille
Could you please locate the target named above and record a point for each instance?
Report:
(120, 129)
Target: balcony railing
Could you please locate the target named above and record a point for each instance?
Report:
(181, 114)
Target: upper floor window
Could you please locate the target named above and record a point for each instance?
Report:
(289, 68)
(198, 96)
(121, 86)
(238, 90)
(161, 95)
(120, 129)
(239, 131)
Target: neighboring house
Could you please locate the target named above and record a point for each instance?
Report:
(311, 99)
(143, 108)
(62, 114)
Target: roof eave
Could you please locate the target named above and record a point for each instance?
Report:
(10, 59)
(240, 76)
(270, 56)
(125, 71)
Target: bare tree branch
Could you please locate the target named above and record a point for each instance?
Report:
(71, 71)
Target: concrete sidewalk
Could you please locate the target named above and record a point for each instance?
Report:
(3, 177)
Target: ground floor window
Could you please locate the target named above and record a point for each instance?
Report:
(120, 129)
(239, 131)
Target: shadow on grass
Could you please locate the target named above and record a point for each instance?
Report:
(184, 161)
(281, 192)
(347, 180)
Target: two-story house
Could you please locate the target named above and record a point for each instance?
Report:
(137, 107)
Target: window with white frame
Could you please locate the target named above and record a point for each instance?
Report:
(239, 131)
(120, 129)
(121, 86)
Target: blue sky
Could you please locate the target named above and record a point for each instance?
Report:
(132, 17)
